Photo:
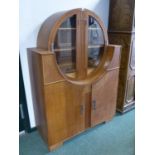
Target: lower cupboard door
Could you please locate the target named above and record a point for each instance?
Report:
(65, 111)
(104, 96)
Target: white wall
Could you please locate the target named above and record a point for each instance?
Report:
(32, 14)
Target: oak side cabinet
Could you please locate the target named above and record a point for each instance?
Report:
(74, 75)
(122, 32)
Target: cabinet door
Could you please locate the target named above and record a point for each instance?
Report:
(104, 96)
(95, 40)
(65, 111)
(67, 47)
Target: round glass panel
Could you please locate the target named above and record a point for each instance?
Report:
(65, 47)
(96, 43)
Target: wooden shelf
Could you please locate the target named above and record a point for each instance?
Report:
(72, 75)
(67, 28)
(64, 49)
(94, 28)
(67, 63)
(95, 46)
(73, 28)
(90, 69)
(73, 48)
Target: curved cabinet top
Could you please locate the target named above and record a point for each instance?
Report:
(49, 28)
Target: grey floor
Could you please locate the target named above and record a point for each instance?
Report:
(116, 137)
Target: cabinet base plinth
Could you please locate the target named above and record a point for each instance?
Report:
(55, 146)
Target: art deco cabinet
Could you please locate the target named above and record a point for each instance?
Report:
(74, 75)
(122, 32)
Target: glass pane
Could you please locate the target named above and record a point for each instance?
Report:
(65, 47)
(69, 23)
(66, 61)
(95, 44)
(94, 56)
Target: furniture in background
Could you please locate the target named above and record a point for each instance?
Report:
(74, 75)
(122, 32)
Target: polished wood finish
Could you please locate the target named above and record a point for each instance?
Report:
(65, 108)
(35, 68)
(63, 101)
(104, 111)
(121, 31)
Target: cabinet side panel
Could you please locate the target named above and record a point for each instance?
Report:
(35, 67)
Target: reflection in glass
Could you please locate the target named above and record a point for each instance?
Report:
(66, 61)
(94, 55)
(69, 23)
(95, 43)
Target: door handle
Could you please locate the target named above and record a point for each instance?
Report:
(94, 105)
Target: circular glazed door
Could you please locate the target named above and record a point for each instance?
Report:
(79, 45)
